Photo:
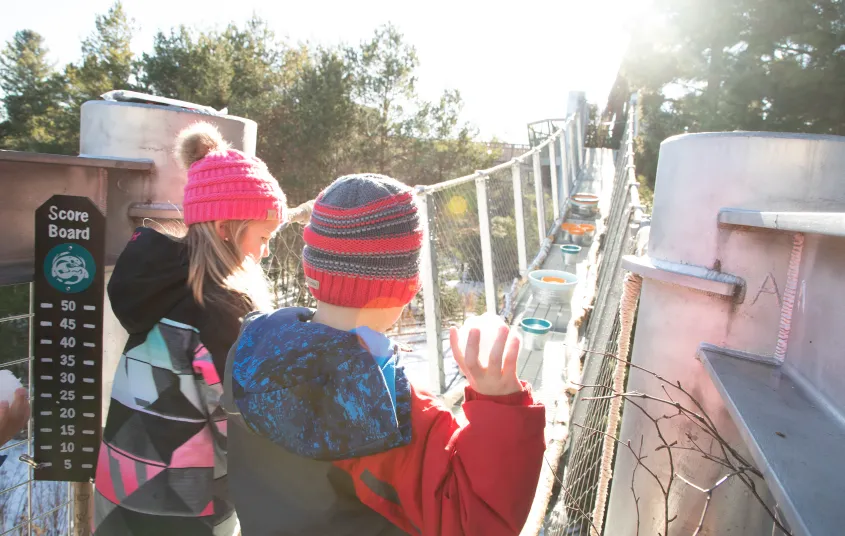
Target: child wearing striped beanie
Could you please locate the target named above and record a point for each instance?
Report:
(327, 435)
(362, 246)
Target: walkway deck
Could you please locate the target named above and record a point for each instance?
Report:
(551, 370)
(546, 369)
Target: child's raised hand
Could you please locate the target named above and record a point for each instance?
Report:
(13, 418)
(492, 375)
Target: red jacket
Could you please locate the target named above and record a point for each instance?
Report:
(328, 437)
(454, 480)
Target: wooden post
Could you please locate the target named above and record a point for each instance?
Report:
(83, 508)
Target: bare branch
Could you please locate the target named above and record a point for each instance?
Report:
(730, 458)
(628, 446)
(633, 491)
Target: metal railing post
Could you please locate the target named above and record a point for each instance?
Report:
(579, 141)
(632, 113)
(431, 295)
(486, 243)
(565, 158)
(553, 178)
(573, 142)
(519, 216)
(538, 191)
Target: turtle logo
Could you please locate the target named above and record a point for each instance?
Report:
(69, 268)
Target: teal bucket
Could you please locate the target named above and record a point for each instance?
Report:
(536, 331)
(570, 253)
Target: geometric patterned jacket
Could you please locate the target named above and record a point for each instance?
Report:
(162, 463)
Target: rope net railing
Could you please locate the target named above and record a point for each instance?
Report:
(587, 465)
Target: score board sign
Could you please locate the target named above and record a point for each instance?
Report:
(68, 338)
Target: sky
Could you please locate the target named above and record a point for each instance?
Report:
(513, 62)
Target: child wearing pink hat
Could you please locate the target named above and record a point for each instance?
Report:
(162, 462)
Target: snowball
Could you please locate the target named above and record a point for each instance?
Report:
(488, 324)
(8, 384)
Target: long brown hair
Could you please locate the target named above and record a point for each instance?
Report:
(215, 264)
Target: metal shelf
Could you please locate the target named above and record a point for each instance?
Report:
(686, 275)
(824, 223)
(794, 440)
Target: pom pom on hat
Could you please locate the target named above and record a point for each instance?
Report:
(197, 141)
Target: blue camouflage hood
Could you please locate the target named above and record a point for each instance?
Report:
(319, 392)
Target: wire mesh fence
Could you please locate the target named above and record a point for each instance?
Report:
(458, 242)
(548, 206)
(27, 507)
(502, 213)
(284, 269)
(583, 467)
(573, 513)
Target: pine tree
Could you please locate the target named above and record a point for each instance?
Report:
(32, 95)
(721, 65)
(107, 64)
(107, 58)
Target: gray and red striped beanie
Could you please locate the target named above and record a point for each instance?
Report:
(362, 246)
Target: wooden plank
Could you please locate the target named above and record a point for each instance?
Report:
(525, 357)
(106, 162)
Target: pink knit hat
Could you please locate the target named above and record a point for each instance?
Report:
(223, 183)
